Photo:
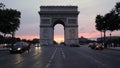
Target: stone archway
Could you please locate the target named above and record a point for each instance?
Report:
(52, 15)
(59, 29)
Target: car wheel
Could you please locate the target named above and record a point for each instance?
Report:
(21, 51)
(101, 48)
(11, 52)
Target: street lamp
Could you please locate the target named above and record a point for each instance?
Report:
(110, 38)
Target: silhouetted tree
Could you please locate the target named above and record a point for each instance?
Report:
(9, 21)
(117, 9)
(101, 25)
(2, 6)
(35, 40)
(112, 21)
(55, 42)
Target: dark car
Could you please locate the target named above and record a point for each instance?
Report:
(90, 44)
(19, 47)
(97, 46)
(74, 45)
(37, 45)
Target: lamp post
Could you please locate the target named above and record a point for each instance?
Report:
(110, 39)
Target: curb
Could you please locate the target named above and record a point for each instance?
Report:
(4, 49)
(113, 49)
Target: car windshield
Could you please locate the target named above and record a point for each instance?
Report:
(18, 45)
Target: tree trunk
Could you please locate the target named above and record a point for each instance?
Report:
(4, 40)
(4, 35)
(110, 39)
(105, 44)
(101, 37)
(13, 34)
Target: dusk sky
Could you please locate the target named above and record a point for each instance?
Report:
(30, 19)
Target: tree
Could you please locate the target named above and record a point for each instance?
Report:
(55, 42)
(101, 25)
(35, 40)
(99, 20)
(9, 22)
(112, 21)
(2, 6)
(117, 9)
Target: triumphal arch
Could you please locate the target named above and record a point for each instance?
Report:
(52, 15)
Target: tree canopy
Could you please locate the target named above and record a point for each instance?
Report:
(9, 20)
(110, 21)
(99, 23)
(117, 8)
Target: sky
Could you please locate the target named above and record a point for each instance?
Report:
(89, 9)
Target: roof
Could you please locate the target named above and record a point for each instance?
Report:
(58, 6)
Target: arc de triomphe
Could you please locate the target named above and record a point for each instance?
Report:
(52, 15)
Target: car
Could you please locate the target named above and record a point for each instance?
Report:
(97, 46)
(37, 45)
(74, 45)
(19, 47)
(90, 44)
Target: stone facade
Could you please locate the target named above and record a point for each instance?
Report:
(52, 15)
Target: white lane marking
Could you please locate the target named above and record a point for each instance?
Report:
(19, 61)
(63, 54)
(95, 60)
(52, 57)
(98, 61)
(47, 65)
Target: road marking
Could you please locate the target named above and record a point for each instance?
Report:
(99, 62)
(53, 54)
(52, 57)
(47, 65)
(63, 54)
(19, 61)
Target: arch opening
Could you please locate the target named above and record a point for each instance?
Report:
(59, 31)
(58, 22)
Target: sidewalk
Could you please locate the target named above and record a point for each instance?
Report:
(114, 48)
(3, 49)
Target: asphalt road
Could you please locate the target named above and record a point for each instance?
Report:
(61, 57)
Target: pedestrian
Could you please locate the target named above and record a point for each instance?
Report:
(28, 48)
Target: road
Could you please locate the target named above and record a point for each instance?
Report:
(61, 57)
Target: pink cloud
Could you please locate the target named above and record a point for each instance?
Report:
(28, 37)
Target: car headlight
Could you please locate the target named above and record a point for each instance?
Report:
(19, 49)
(10, 48)
(97, 46)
